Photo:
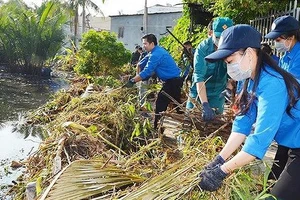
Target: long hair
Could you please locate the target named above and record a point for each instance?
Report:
(244, 100)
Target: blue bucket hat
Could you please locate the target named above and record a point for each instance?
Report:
(234, 38)
(282, 25)
(220, 24)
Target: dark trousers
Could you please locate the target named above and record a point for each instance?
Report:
(288, 185)
(280, 159)
(171, 87)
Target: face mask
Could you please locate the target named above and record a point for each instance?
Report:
(216, 40)
(236, 73)
(281, 47)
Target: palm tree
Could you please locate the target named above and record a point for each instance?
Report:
(74, 6)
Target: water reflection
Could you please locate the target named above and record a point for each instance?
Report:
(18, 95)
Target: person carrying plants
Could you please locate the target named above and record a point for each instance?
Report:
(272, 103)
(209, 80)
(163, 65)
(285, 31)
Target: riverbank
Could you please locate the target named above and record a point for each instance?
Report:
(107, 129)
(18, 95)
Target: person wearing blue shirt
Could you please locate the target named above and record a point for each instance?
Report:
(163, 65)
(272, 104)
(142, 86)
(266, 48)
(209, 80)
(285, 32)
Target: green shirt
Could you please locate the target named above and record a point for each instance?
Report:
(203, 70)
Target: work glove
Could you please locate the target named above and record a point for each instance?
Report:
(227, 94)
(207, 113)
(218, 160)
(211, 179)
(130, 83)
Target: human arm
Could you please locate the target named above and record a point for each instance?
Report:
(207, 113)
(239, 160)
(153, 60)
(201, 90)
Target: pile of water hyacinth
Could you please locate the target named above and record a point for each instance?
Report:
(101, 147)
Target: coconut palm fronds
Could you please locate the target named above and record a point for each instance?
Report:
(85, 178)
(172, 184)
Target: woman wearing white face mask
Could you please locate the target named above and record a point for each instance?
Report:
(272, 104)
(285, 32)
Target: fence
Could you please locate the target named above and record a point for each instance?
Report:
(263, 24)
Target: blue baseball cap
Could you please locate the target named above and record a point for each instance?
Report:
(237, 37)
(220, 24)
(282, 25)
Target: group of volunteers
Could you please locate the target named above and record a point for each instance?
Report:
(268, 97)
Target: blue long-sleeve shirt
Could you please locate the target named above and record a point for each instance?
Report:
(162, 64)
(268, 112)
(290, 61)
(142, 63)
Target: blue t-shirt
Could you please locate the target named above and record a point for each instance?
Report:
(268, 112)
(162, 64)
(290, 61)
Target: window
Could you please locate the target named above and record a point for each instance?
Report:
(121, 32)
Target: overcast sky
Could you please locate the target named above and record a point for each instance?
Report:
(113, 7)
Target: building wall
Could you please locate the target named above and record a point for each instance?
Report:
(128, 27)
(95, 23)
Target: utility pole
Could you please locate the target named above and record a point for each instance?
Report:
(145, 19)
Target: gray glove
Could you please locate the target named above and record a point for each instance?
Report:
(207, 113)
(212, 179)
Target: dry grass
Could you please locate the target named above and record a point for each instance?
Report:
(100, 128)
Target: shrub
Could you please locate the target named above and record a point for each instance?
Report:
(101, 54)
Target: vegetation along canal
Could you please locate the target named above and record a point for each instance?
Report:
(18, 95)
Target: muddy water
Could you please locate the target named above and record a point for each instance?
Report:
(18, 95)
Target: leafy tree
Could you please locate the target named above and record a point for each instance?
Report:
(73, 6)
(101, 54)
(29, 37)
(241, 11)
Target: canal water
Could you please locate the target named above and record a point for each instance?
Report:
(20, 94)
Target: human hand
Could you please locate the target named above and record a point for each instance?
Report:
(211, 179)
(218, 160)
(207, 113)
(227, 94)
(130, 83)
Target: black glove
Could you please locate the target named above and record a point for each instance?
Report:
(130, 83)
(212, 179)
(208, 113)
(218, 160)
(227, 94)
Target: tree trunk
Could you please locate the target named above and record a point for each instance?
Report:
(83, 18)
(76, 26)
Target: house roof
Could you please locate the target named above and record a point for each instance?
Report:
(156, 9)
(161, 9)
